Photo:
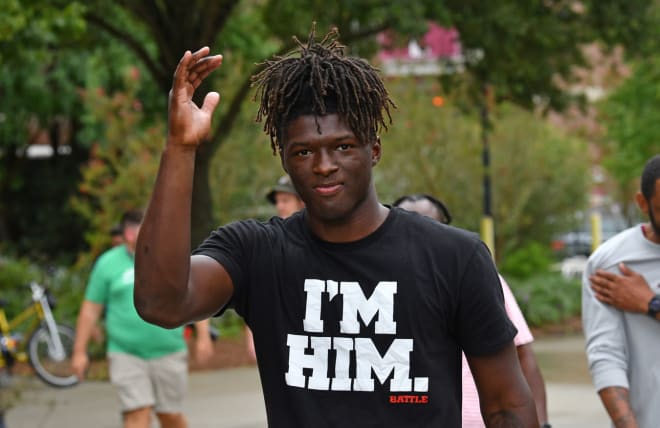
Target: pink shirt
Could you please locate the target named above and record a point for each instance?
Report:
(471, 411)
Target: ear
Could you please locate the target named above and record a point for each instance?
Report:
(642, 203)
(376, 152)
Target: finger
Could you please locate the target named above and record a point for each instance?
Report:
(209, 63)
(181, 71)
(601, 298)
(80, 374)
(599, 292)
(200, 70)
(606, 275)
(200, 53)
(626, 270)
(210, 102)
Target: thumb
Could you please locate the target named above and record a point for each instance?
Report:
(210, 102)
(625, 269)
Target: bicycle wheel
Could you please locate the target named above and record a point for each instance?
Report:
(55, 372)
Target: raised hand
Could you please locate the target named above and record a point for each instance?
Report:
(628, 292)
(189, 124)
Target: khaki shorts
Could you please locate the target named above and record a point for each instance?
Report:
(160, 383)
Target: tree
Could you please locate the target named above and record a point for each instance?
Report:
(33, 191)
(123, 162)
(525, 44)
(630, 116)
(240, 30)
(539, 175)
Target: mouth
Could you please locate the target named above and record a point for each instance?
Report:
(328, 189)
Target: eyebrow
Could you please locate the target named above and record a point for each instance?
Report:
(336, 140)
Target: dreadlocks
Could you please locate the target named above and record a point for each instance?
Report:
(321, 81)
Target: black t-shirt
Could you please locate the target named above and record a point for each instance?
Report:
(367, 333)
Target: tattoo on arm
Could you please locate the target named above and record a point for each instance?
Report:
(617, 403)
(503, 419)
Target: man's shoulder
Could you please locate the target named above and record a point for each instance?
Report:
(111, 255)
(249, 232)
(422, 224)
(617, 243)
(609, 252)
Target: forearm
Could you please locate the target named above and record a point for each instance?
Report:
(617, 404)
(515, 416)
(87, 319)
(537, 386)
(504, 395)
(162, 257)
(534, 379)
(202, 329)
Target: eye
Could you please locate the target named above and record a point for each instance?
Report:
(303, 152)
(344, 146)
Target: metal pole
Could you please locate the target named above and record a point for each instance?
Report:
(487, 227)
(596, 230)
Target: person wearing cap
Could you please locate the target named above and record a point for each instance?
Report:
(285, 198)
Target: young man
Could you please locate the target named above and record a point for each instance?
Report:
(148, 364)
(359, 312)
(434, 208)
(620, 310)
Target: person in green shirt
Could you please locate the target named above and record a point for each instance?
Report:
(148, 364)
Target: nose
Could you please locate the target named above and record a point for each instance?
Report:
(325, 163)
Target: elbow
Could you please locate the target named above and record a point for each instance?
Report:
(152, 310)
(156, 317)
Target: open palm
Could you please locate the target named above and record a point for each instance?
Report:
(188, 123)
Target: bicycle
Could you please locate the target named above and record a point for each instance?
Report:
(49, 347)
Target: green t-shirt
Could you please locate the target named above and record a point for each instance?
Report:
(111, 284)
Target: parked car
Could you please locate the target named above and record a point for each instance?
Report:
(578, 242)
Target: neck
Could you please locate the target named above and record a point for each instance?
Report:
(650, 233)
(130, 249)
(361, 224)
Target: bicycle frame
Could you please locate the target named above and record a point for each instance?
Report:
(8, 326)
(44, 313)
(38, 311)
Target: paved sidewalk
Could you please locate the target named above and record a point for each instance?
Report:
(221, 398)
(231, 398)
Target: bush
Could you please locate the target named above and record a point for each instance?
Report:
(532, 259)
(547, 298)
(15, 274)
(229, 324)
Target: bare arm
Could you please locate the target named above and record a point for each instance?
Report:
(617, 403)
(532, 373)
(171, 288)
(249, 344)
(627, 292)
(505, 398)
(88, 316)
(203, 342)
